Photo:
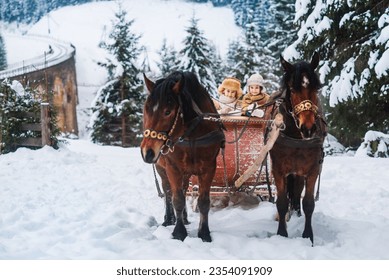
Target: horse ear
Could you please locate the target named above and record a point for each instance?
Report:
(177, 87)
(149, 83)
(315, 60)
(286, 65)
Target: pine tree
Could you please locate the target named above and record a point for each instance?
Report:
(3, 54)
(351, 39)
(243, 57)
(195, 56)
(219, 68)
(168, 59)
(117, 108)
(234, 59)
(239, 11)
(277, 31)
(30, 11)
(269, 30)
(219, 3)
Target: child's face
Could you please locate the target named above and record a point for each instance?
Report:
(230, 93)
(255, 89)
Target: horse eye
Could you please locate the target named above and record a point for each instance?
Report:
(167, 113)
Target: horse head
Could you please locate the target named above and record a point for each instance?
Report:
(162, 117)
(301, 85)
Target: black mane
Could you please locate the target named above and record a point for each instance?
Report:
(294, 78)
(191, 92)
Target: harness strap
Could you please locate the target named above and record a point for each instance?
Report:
(299, 143)
(202, 141)
(243, 129)
(195, 122)
(160, 193)
(225, 171)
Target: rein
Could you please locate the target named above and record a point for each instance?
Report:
(184, 140)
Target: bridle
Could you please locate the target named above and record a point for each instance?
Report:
(166, 137)
(183, 140)
(303, 106)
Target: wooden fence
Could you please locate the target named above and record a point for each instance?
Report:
(43, 127)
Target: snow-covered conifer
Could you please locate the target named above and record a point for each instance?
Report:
(196, 56)
(3, 54)
(117, 108)
(352, 37)
(168, 59)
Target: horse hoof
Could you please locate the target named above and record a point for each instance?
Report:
(308, 235)
(283, 233)
(168, 222)
(179, 237)
(180, 232)
(205, 237)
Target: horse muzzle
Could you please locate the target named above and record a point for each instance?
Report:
(150, 153)
(149, 156)
(307, 132)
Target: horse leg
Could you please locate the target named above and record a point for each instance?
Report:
(179, 231)
(169, 218)
(282, 203)
(295, 186)
(309, 206)
(178, 192)
(204, 205)
(185, 213)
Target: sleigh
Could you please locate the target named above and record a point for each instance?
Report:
(245, 140)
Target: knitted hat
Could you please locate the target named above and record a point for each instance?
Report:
(231, 84)
(256, 79)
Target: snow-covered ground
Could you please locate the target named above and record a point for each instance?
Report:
(86, 201)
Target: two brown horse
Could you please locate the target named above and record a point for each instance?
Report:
(181, 144)
(297, 154)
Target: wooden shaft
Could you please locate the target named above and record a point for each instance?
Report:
(45, 123)
(273, 135)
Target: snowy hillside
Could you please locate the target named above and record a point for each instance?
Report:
(85, 26)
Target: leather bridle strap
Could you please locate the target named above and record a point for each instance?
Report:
(305, 105)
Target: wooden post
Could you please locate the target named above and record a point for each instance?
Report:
(45, 124)
(1, 131)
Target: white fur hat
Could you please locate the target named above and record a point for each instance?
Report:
(256, 79)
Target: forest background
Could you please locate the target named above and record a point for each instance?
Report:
(351, 36)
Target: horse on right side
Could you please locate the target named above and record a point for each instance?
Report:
(297, 154)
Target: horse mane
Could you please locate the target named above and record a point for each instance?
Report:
(294, 78)
(192, 92)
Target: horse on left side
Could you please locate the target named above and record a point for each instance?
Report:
(181, 144)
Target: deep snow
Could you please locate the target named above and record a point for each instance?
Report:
(86, 201)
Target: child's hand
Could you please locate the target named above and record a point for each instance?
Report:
(258, 113)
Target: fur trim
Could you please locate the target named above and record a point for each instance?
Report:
(232, 84)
